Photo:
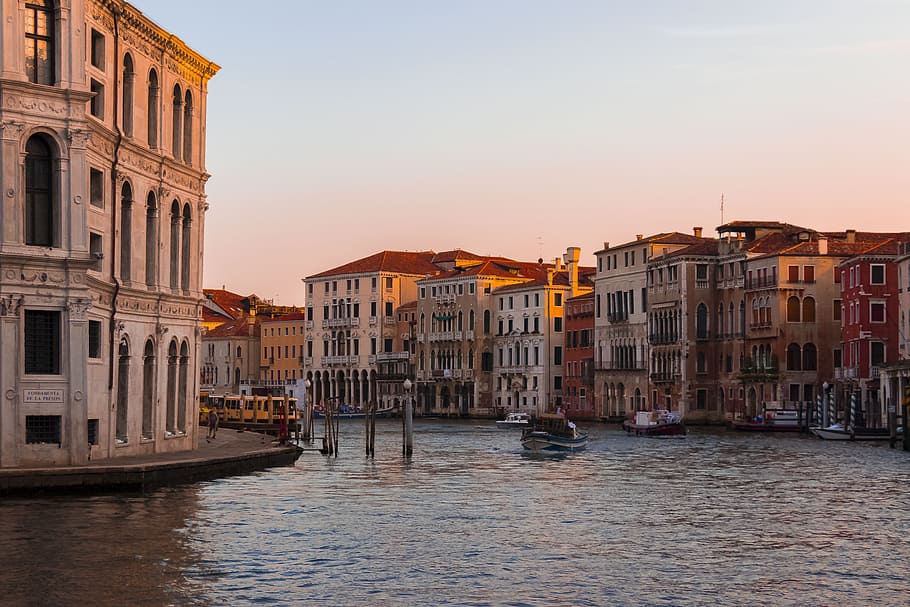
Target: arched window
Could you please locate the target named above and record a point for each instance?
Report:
(810, 357)
(486, 322)
(794, 358)
(126, 230)
(151, 240)
(175, 244)
(460, 321)
(123, 392)
(185, 256)
(177, 118)
(742, 317)
(153, 109)
(720, 319)
(731, 327)
(182, 387)
(701, 321)
(40, 218)
(128, 79)
(700, 363)
(148, 389)
(755, 311)
(793, 309)
(188, 128)
(471, 320)
(170, 422)
(39, 41)
(237, 376)
(239, 352)
(809, 309)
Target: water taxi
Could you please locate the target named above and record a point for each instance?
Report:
(553, 432)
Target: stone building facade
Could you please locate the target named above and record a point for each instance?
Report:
(103, 180)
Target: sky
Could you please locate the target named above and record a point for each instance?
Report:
(518, 128)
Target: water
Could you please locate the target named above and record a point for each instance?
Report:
(714, 518)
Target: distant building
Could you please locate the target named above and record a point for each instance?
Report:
(578, 368)
(283, 342)
(350, 320)
(895, 374)
(870, 315)
(397, 365)
(103, 136)
(621, 351)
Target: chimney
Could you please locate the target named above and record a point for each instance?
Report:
(697, 231)
(571, 258)
(606, 245)
(851, 236)
(639, 236)
(822, 245)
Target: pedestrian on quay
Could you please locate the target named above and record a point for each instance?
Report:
(213, 423)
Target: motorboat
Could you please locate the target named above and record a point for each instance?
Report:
(553, 432)
(841, 432)
(655, 423)
(773, 420)
(517, 420)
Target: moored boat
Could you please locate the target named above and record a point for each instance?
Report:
(553, 432)
(655, 423)
(773, 420)
(517, 420)
(841, 432)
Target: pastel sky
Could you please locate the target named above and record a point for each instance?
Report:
(520, 127)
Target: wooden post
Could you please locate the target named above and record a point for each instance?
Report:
(409, 427)
(369, 429)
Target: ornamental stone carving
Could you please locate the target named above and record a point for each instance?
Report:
(78, 138)
(78, 307)
(12, 129)
(9, 304)
(14, 102)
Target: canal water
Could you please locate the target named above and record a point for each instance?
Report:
(714, 518)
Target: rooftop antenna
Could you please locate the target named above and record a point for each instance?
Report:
(721, 208)
(540, 246)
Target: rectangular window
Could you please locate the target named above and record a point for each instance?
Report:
(878, 274)
(471, 288)
(876, 353)
(877, 311)
(388, 309)
(793, 273)
(388, 283)
(96, 249)
(372, 345)
(42, 342)
(701, 399)
(94, 339)
(557, 355)
(96, 187)
(557, 299)
(42, 429)
(809, 274)
(837, 309)
(557, 324)
(557, 383)
(93, 431)
(97, 103)
(387, 344)
(701, 271)
(309, 314)
(98, 49)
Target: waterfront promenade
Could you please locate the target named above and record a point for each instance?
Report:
(232, 452)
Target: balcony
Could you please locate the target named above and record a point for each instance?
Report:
(618, 316)
(661, 338)
(328, 361)
(392, 356)
(443, 336)
(469, 334)
(876, 372)
(335, 323)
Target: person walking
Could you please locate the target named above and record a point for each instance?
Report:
(213, 423)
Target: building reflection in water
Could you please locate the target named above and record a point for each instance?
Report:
(110, 550)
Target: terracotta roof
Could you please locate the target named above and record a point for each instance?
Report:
(560, 279)
(232, 303)
(739, 226)
(582, 297)
(235, 328)
(286, 318)
(456, 255)
(403, 262)
(839, 244)
(668, 237)
(706, 246)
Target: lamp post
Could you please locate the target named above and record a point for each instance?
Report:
(407, 421)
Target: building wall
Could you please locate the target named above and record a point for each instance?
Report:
(127, 328)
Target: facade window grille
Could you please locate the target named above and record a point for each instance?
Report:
(42, 429)
(42, 342)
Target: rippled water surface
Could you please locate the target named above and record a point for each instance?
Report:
(714, 518)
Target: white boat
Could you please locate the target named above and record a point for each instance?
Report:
(840, 432)
(515, 420)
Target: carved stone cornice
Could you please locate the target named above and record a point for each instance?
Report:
(12, 129)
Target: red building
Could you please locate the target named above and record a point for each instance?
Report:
(870, 336)
(578, 365)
